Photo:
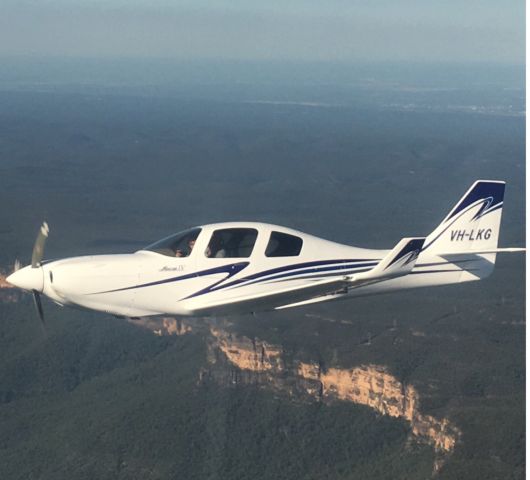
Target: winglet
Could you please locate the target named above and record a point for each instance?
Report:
(398, 262)
(401, 259)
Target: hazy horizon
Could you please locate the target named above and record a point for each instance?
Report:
(410, 30)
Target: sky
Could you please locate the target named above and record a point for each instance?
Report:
(308, 30)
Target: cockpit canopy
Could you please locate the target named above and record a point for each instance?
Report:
(179, 245)
(229, 242)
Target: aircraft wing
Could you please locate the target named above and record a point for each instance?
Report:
(398, 262)
(245, 304)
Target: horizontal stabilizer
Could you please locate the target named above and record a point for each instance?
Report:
(400, 260)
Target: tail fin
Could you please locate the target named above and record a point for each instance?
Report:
(473, 224)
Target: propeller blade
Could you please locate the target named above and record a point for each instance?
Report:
(38, 306)
(17, 265)
(38, 249)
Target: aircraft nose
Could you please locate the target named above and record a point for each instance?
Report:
(27, 278)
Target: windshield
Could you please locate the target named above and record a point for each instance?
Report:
(179, 245)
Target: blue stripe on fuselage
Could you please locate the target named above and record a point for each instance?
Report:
(234, 268)
(303, 271)
(287, 271)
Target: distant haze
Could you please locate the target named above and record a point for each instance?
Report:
(381, 30)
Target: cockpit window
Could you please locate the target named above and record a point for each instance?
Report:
(178, 245)
(283, 245)
(231, 243)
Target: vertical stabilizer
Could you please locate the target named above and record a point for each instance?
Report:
(474, 222)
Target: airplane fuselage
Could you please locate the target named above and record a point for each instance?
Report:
(147, 283)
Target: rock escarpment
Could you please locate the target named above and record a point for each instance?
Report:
(370, 385)
(375, 387)
(235, 359)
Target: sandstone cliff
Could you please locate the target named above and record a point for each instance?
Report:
(370, 385)
(373, 386)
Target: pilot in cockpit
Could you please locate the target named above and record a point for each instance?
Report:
(180, 253)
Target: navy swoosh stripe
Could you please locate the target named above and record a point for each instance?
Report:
(308, 265)
(485, 212)
(231, 269)
(489, 192)
(296, 266)
(258, 277)
(305, 271)
(334, 274)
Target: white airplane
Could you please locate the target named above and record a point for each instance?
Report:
(243, 267)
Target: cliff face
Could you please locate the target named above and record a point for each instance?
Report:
(164, 325)
(238, 359)
(370, 385)
(373, 386)
(248, 354)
